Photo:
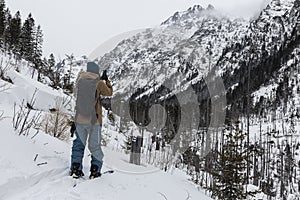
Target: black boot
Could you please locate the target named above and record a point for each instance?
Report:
(94, 172)
(75, 172)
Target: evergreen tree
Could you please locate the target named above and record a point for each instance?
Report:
(229, 176)
(37, 48)
(51, 63)
(6, 34)
(67, 84)
(27, 39)
(58, 73)
(288, 169)
(2, 20)
(15, 32)
(49, 70)
(38, 52)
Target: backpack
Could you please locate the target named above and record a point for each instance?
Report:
(86, 102)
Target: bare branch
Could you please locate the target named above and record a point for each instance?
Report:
(34, 135)
(35, 157)
(163, 195)
(44, 163)
(1, 115)
(188, 195)
(66, 101)
(23, 121)
(4, 87)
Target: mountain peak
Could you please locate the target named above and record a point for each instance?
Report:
(195, 8)
(191, 11)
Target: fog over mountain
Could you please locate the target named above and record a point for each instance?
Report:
(80, 27)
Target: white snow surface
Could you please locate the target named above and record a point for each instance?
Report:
(23, 178)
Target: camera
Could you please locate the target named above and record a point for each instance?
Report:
(104, 75)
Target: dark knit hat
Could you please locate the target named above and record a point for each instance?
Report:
(92, 67)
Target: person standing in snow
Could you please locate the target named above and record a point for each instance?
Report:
(88, 119)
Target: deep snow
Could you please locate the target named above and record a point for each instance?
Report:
(36, 166)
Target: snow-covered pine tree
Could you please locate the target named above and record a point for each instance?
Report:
(229, 177)
(14, 34)
(2, 21)
(37, 45)
(49, 69)
(37, 51)
(6, 33)
(68, 85)
(27, 39)
(58, 74)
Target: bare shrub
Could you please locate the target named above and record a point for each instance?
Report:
(4, 87)
(56, 122)
(23, 120)
(4, 67)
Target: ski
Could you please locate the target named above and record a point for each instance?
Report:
(108, 172)
(82, 178)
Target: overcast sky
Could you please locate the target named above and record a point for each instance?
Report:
(77, 26)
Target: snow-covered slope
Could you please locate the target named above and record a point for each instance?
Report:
(185, 47)
(36, 166)
(186, 44)
(22, 178)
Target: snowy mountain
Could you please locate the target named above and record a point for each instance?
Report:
(189, 45)
(191, 38)
(258, 62)
(193, 42)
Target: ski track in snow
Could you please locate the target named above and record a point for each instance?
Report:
(51, 181)
(16, 187)
(56, 184)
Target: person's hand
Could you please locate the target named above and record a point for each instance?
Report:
(104, 75)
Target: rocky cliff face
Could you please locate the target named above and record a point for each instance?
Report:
(186, 45)
(198, 42)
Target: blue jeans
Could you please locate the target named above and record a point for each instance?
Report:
(94, 145)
